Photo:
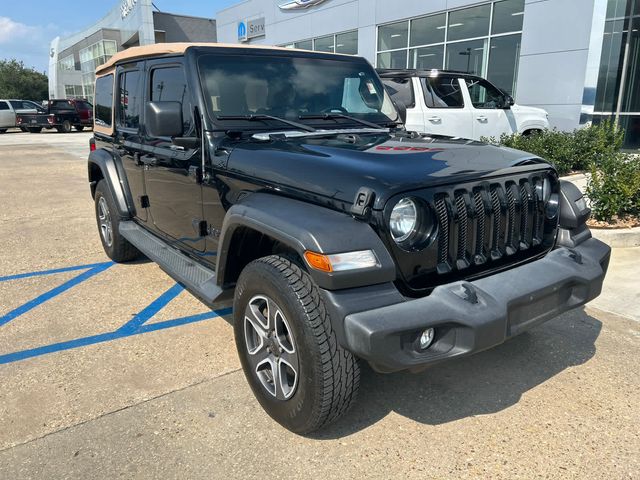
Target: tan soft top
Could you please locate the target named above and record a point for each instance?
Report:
(169, 48)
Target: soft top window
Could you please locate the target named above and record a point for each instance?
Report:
(104, 101)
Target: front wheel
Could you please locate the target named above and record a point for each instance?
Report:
(3, 130)
(34, 129)
(79, 128)
(289, 353)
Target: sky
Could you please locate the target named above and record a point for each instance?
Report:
(28, 26)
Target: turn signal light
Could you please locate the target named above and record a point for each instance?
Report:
(318, 261)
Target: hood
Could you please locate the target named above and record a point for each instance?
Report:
(336, 167)
(533, 111)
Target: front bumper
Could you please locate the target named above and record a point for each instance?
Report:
(472, 316)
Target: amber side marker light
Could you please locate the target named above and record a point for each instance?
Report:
(338, 262)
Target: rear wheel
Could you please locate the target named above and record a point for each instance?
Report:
(115, 245)
(24, 129)
(79, 127)
(3, 130)
(34, 129)
(65, 127)
(289, 353)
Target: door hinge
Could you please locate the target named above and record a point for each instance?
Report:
(144, 201)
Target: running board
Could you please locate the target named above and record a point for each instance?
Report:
(199, 280)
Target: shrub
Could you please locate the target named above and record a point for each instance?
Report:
(568, 151)
(614, 186)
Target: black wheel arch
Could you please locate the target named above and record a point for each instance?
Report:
(103, 165)
(277, 224)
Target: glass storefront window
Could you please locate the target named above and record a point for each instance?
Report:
(469, 23)
(631, 98)
(397, 59)
(466, 56)
(347, 43)
(428, 30)
(507, 16)
(610, 66)
(67, 63)
(503, 61)
(304, 45)
(616, 8)
(393, 36)
(426, 58)
(324, 44)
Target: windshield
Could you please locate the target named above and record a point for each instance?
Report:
(293, 88)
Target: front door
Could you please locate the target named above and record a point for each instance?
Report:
(7, 117)
(172, 174)
(446, 112)
(490, 119)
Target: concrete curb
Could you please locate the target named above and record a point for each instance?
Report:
(618, 237)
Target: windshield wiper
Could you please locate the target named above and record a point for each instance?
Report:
(333, 116)
(261, 117)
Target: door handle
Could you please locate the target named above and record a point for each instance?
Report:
(482, 119)
(434, 118)
(148, 160)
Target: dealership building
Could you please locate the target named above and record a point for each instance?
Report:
(577, 59)
(73, 60)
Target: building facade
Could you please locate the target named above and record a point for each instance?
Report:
(73, 60)
(577, 59)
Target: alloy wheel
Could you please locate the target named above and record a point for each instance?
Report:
(104, 217)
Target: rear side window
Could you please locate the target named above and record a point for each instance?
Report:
(442, 92)
(130, 99)
(170, 85)
(400, 89)
(4, 106)
(62, 105)
(104, 100)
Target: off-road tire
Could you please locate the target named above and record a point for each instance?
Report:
(120, 250)
(79, 128)
(65, 127)
(34, 129)
(329, 375)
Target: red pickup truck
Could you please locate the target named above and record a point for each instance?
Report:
(61, 114)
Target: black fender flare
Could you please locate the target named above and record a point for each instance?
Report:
(114, 175)
(304, 226)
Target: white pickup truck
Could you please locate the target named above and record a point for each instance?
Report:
(9, 110)
(460, 105)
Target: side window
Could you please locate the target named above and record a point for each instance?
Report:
(4, 106)
(129, 99)
(18, 105)
(484, 95)
(170, 85)
(104, 100)
(400, 89)
(442, 92)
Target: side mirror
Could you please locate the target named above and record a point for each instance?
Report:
(163, 119)
(402, 110)
(508, 101)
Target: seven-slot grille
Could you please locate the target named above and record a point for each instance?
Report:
(488, 222)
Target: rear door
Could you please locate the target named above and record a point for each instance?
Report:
(489, 118)
(446, 112)
(128, 139)
(7, 117)
(173, 174)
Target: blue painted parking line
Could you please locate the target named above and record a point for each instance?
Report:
(54, 292)
(53, 271)
(109, 336)
(136, 326)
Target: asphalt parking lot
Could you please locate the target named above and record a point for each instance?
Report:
(112, 371)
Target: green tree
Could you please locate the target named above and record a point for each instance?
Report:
(17, 81)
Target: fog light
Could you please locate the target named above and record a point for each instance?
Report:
(426, 338)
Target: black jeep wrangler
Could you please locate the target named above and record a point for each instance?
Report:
(283, 181)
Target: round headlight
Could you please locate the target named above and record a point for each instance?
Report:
(543, 190)
(404, 220)
(552, 206)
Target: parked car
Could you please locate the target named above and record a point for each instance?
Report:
(283, 181)
(61, 114)
(10, 109)
(459, 105)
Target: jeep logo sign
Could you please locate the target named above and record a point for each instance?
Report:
(248, 29)
(126, 6)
